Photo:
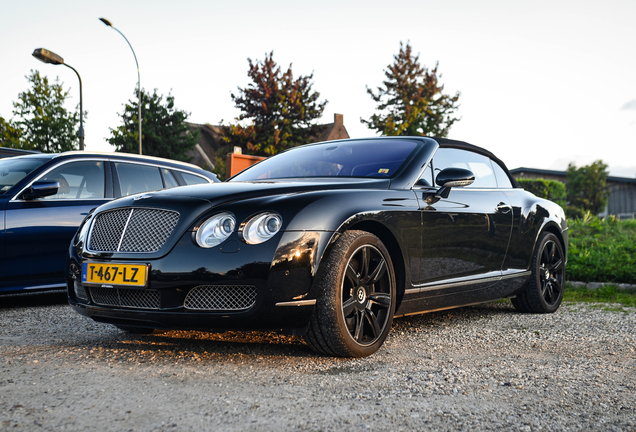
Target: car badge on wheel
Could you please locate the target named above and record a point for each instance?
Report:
(140, 197)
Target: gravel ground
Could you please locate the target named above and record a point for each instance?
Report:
(477, 368)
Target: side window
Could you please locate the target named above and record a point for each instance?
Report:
(503, 181)
(78, 180)
(478, 164)
(191, 179)
(168, 178)
(136, 178)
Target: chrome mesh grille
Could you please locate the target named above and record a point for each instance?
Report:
(132, 230)
(225, 297)
(142, 299)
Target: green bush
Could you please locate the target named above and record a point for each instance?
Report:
(553, 190)
(602, 250)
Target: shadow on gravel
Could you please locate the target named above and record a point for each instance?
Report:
(462, 315)
(9, 301)
(189, 345)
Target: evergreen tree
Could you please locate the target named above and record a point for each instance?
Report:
(11, 135)
(411, 100)
(46, 125)
(165, 132)
(278, 107)
(587, 188)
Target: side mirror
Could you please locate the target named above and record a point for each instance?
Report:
(449, 178)
(41, 189)
(453, 177)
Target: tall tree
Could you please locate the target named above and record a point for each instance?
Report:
(47, 126)
(11, 135)
(164, 130)
(279, 109)
(587, 188)
(411, 99)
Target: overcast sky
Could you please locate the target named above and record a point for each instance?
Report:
(542, 83)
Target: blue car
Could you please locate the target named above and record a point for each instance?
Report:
(45, 197)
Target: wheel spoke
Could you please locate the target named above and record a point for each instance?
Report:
(377, 273)
(348, 306)
(359, 326)
(373, 320)
(552, 251)
(544, 288)
(556, 285)
(556, 266)
(364, 263)
(545, 255)
(353, 275)
(547, 292)
(381, 299)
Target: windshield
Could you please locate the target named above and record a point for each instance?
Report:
(365, 158)
(12, 170)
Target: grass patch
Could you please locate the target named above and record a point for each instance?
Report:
(602, 250)
(606, 294)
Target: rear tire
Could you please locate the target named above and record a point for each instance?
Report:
(356, 298)
(544, 291)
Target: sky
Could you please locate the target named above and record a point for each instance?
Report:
(542, 83)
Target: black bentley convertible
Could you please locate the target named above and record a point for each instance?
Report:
(328, 240)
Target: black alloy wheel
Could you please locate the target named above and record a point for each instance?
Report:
(544, 291)
(551, 266)
(366, 297)
(356, 298)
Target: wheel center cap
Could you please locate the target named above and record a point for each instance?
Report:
(547, 274)
(361, 295)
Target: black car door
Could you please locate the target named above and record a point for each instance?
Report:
(465, 236)
(38, 232)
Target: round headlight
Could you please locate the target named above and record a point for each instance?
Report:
(215, 230)
(262, 227)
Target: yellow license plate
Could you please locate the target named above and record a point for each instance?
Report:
(114, 274)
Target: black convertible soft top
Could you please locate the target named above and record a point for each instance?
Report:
(449, 143)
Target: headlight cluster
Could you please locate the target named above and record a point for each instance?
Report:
(261, 228)
(255, 230)
(215, 230)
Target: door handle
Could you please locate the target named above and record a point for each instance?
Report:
(504, 208)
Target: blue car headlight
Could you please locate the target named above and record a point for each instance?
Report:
(215, 230)
(261, 227)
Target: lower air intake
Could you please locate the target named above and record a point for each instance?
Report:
(221, 298)
(128, 298)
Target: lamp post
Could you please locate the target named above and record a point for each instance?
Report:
(109, 24)
(50, 57)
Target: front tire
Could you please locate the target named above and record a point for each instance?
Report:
(544, 291)
(356, 298)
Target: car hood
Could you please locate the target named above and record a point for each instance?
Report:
(220, 193)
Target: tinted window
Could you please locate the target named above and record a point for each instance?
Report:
(503, 181)
(478, 164)
(78, 180)
(191, 179)
(374, 159)
(168, 178)
(12, 170)
(135, 178)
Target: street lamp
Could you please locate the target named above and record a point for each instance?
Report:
(109, 24)
(50, 57)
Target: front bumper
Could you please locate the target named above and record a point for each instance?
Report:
(232, 287)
